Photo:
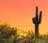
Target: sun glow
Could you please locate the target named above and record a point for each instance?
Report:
(22, 34)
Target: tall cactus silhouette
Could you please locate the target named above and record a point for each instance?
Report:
(37, 21)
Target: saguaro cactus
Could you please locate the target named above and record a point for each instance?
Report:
(37, 21)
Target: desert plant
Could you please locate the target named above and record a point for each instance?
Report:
(7, 32)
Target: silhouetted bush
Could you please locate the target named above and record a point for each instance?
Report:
(6, 33)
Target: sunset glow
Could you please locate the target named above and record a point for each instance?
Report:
(19, 13)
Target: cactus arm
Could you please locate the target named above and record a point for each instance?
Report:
(40, 17)
(33, 20)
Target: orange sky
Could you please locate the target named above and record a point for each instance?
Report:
(21, 12)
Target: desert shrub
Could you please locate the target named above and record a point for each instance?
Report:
(6, 33)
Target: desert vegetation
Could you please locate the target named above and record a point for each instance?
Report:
(9, 35)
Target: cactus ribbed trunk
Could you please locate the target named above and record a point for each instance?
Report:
(37, 30)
